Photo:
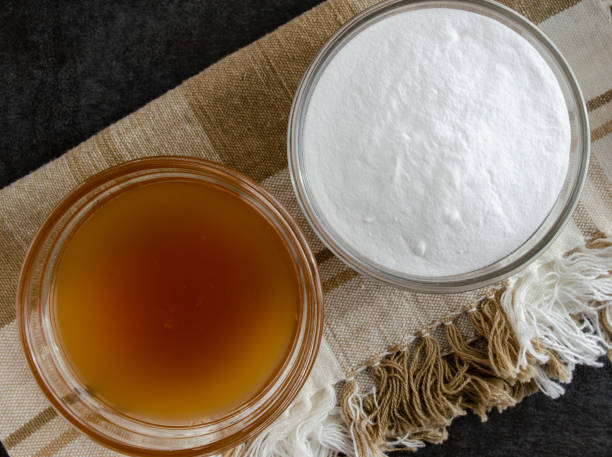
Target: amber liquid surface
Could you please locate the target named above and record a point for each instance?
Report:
(175, 301)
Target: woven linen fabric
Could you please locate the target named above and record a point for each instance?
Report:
(235, 112)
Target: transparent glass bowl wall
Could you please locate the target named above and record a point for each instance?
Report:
(546, 233)
(97, 419)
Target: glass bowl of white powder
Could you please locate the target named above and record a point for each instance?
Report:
(438, 146)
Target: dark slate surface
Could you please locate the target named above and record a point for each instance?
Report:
(69, 68)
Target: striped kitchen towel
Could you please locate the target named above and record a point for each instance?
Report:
(395, 367)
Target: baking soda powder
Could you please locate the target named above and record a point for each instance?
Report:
(436, 142)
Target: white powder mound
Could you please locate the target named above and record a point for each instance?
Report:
(436, 142)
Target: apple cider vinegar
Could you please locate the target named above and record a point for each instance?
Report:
(175, 301)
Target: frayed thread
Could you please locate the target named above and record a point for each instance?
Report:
(311, 427)
(419, 391)
(605, 318)
(556, 308)
(532, 332)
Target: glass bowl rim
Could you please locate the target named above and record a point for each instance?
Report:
(305, 345)
(433, 284)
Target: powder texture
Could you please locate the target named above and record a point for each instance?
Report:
(436, 142)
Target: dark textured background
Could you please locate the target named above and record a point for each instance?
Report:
(70, 68)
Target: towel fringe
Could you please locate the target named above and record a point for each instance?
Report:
(531, 334)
